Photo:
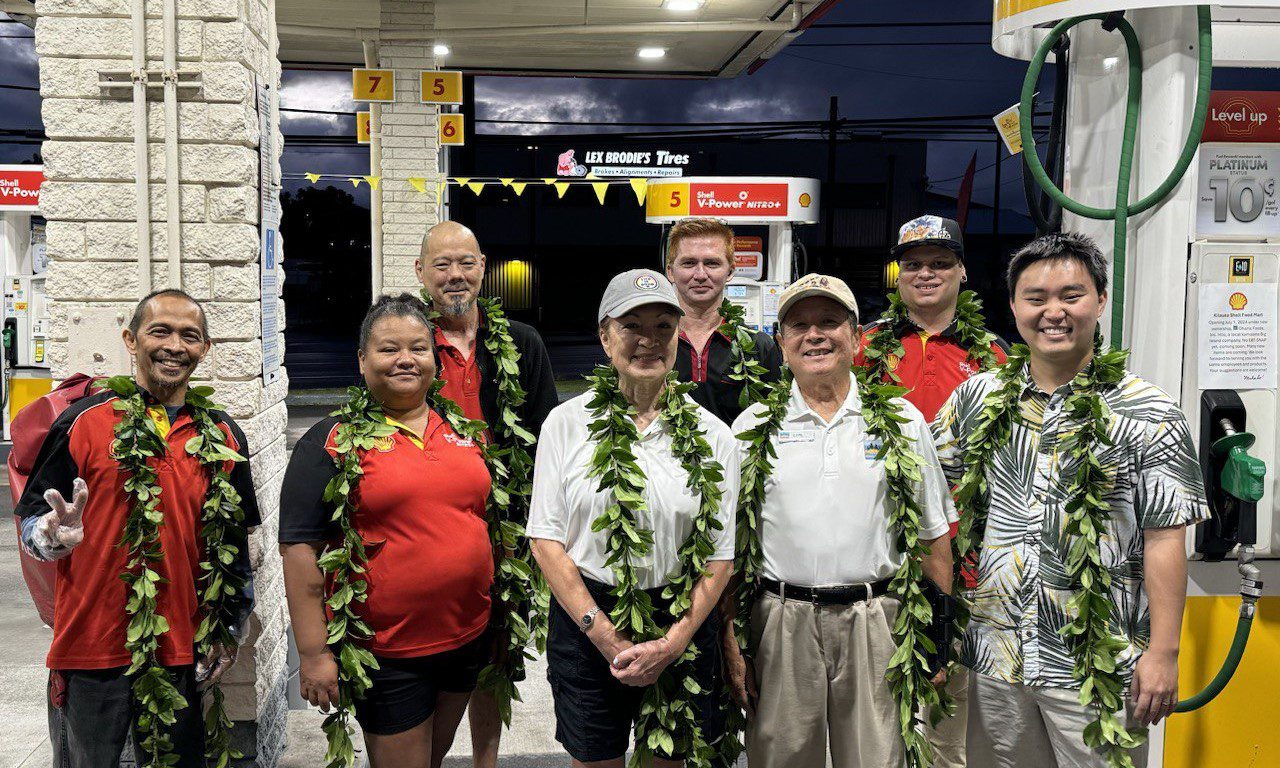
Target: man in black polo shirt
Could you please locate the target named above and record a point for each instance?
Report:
(699, 264)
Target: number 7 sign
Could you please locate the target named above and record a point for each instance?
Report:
(373, 85)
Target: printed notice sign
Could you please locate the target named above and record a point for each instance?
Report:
(1238, 337)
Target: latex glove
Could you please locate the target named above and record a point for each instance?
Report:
(61, 529)
(214, 665)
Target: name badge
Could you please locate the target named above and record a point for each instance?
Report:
(797, 436)
(871, 448)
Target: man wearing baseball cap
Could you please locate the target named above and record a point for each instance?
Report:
(930, 349)
(821, 628)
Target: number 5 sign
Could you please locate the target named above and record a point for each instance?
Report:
(373, 85)
(451, 128)
(441, 87)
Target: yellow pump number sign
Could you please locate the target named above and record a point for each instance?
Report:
(373, 85)
(363, 127)
(441, 87)
(451, 128)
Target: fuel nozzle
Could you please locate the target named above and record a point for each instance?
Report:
(1242, 474)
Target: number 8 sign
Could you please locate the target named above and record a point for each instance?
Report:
(373, 85)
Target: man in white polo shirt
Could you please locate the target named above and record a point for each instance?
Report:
(821, 628)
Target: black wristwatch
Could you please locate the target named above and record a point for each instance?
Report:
(588, 619)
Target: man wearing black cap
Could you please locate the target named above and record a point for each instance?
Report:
(937, 353)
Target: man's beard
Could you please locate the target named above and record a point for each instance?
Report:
(458, 307)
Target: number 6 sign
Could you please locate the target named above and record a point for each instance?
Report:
(451, 128)
(373, 85)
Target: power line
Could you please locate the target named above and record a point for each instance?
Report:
(8, 87)
(889, 73)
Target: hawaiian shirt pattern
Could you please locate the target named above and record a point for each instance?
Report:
(1020, 601)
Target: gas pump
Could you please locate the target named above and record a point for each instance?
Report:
(764, 263)
(24, 360)
(1144, 187)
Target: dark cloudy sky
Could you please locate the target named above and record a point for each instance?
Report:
(944, 76)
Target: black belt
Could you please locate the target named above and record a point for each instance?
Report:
(826, 595)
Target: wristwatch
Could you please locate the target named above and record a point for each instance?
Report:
(588, 619)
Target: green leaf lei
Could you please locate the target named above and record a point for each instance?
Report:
(360, 425)
(908, 675)
(1094, 647)
(970, 332)
(137, 442)
(510, 463)
(668, 723)
(748, 557)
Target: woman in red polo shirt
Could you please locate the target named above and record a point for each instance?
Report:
(420, 508)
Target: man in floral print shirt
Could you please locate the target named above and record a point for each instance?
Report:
(1024, 695)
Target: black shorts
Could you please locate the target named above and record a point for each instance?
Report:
(594, 712)
(404, 691)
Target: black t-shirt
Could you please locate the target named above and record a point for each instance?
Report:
(710, 369)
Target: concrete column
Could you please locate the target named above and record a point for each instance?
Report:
(409, 145)
(89, 201)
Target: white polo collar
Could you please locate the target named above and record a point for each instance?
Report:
(799, 410)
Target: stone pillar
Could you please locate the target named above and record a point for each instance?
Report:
(89, 201)
(409, 145)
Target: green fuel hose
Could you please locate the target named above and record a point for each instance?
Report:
(1251, 585)
(1123, 209)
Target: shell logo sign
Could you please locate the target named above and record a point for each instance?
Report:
(1238, 301)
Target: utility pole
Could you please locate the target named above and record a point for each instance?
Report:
(995, 204)
(833, 122)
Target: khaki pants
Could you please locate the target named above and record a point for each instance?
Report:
(820, 671)
(948, 739)
(1014, 726)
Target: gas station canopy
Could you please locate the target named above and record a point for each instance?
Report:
(578, 37)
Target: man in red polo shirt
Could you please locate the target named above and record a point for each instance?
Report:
(451, 268)
(699, 265)
(930, 254)
(74, 510)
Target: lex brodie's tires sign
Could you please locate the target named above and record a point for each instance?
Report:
(1237, 192)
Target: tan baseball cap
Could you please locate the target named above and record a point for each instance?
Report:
(814, 284)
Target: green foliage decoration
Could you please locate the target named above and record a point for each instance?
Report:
(136, 446)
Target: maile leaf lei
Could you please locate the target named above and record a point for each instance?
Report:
(908, 673)
(1094, 647)
(360, 425)
(137, 442)
(668, 723)
(510, 463)
(970, 332)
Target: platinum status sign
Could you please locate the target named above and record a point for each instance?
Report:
(1237, 191)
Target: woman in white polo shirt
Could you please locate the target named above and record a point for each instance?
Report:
(631, 522)
(821, 629)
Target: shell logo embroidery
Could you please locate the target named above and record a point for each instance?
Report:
(892, 361)
(384, 444)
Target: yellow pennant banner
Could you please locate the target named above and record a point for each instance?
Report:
(561, 187)
(418, 183)
(549, 181)
(476, 186)
(460, 181)
(440, 185)
(355, 181)
(601, 188)
(506, 182)
(641, 188)
(312, 177)
(374, 181)
(519, 186)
